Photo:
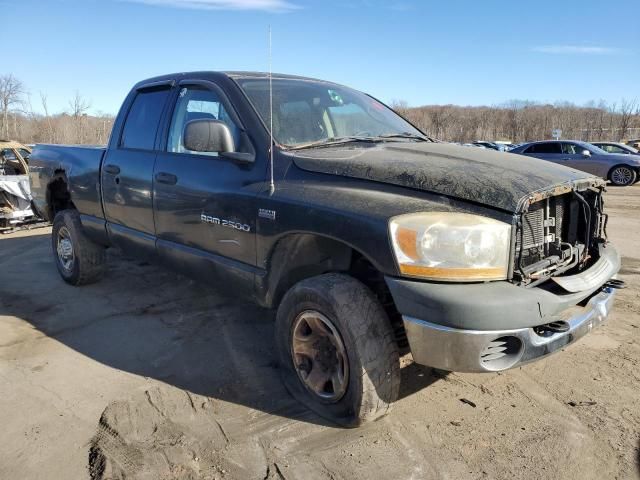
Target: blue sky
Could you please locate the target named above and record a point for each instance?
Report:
(423, 52)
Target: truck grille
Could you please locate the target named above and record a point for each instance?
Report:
(558, 234)
(533, 229)
(547, 223)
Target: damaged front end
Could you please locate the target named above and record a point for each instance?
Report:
(15, 192)
(559, 232)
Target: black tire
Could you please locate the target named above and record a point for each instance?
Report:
(373, 361)
(88, 262)
(622, 175)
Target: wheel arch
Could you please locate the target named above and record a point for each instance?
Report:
(298, 256)
(58, 196)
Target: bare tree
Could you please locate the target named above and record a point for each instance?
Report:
(78, 105)
(79, 108)
(11, 92)
(627, 111)
(47, 117)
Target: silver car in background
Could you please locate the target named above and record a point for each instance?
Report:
(616, 147)
(620, 169)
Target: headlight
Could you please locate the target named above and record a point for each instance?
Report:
(451, 246)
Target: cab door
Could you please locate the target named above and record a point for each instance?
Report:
(127, 172)
(205, 205)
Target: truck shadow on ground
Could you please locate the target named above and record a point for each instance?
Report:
(148, 321)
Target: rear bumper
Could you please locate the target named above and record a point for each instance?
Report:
(494, 326)
(493, 350)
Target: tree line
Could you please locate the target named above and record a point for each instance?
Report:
(515, 121)
(19, 121)
(521, 121)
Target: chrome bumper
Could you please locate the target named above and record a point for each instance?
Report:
(494, 350)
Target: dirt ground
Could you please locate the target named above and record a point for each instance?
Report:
(148, 375)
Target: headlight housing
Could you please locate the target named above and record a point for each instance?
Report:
(449, 246)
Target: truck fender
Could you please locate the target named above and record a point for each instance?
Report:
(298, 256)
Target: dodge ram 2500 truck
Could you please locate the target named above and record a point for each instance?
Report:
(370, 239)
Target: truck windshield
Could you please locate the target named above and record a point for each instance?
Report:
(307, 112)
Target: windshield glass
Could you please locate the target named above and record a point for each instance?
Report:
(306, 111)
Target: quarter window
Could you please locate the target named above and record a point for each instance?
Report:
(196, 103)
(141, 125)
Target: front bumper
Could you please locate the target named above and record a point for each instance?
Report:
(493, 350)
(496, 325)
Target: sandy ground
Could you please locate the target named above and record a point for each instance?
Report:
(148, 375)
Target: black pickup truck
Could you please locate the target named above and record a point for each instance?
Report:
(370, 239)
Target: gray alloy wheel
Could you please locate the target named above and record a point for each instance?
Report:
(64, 249)
(622, 175)
(319, 356)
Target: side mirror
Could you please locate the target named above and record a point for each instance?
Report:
(586, 153)
(205, 135)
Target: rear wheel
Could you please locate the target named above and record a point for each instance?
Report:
(337, 350)
(622, 175)
(79, 260)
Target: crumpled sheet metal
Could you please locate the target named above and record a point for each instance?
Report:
(17, 190)
(16, 185)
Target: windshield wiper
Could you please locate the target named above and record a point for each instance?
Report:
(409, 135)
(327, 142)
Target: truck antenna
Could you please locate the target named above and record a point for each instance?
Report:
(272, 186)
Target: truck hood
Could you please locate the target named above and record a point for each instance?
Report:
(496, 179)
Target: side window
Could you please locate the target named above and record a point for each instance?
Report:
(571, 149)
(196, 103)
(551, 147)
(9, 154)
(141, 125)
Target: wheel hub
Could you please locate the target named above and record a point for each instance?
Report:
(621, 176)
(319, 356)
(64, 248)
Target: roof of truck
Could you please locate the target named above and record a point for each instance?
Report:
(235, 75)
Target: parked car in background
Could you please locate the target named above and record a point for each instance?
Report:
(634, 143)
(501, 147)
(616, 147)
(620, 169)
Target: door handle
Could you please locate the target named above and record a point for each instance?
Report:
(168, 178)
(112, 169)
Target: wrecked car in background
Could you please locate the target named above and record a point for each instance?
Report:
(15, 190)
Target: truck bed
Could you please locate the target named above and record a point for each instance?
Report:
(81, 167)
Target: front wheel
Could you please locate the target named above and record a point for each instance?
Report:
(622, 175)
(337, 350)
